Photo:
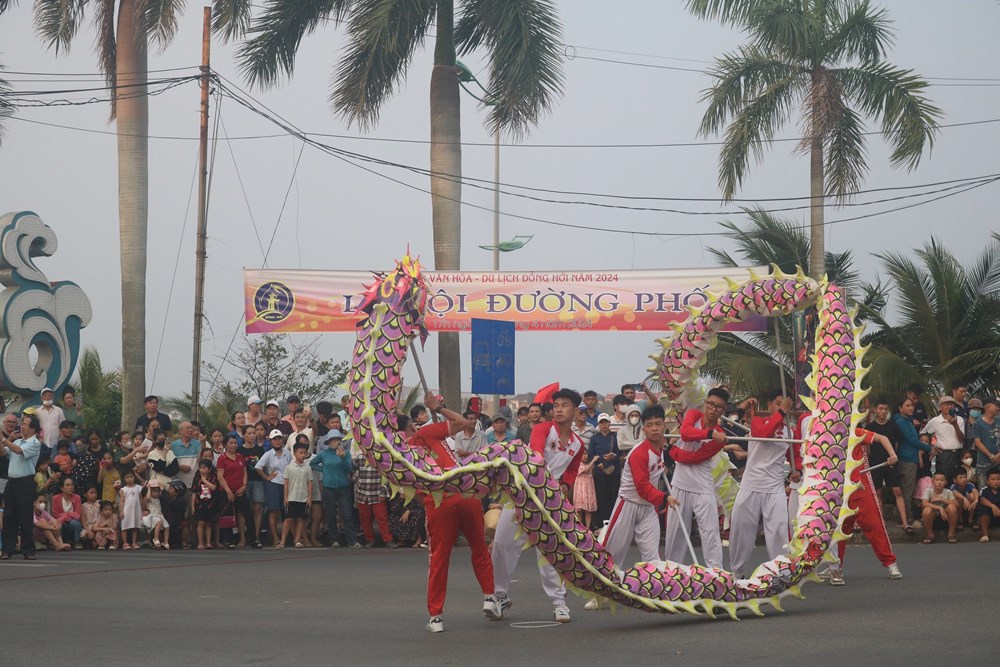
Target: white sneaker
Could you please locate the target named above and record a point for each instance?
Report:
(491, 608)
(592, 605)
(836, 577)
(893, 571)
(561, 614)
(435, 625)
(503, 602)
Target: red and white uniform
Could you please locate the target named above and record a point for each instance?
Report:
(445, 521)
(634, 514)
(563, 462)
(695, 492)
(761, 495)
(865, 500)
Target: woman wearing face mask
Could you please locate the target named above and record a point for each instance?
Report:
(631, 434)
(123, 451)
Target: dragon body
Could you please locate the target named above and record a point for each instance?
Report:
(392, 316)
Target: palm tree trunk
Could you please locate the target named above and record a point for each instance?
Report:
(133, 201)
(817, 251)
(446, 193)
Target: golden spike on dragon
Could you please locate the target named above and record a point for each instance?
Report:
(391, 315)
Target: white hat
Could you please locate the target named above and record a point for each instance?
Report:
(944, 400)
(272, 402)
(603, 417)
(276, 433)
(254, 399)
(48, 389)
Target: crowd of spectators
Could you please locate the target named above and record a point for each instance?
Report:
(290, 476)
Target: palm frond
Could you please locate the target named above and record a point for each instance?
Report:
(523, 39)
(383, 35)
(840, 270)
(859, 33)
(277, 33)
(785, 28)
(57, 21)
(105, 44)
(896, 97)
(160, 19)
(846, 154)
(726, 11)
(6, 109)
(767, 239)
(231, 18)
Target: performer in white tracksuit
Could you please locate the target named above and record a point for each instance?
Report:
(639, 499)
(562, 450)
(762, 489)
(701, 439)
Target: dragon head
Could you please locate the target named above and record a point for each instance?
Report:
(403, 290)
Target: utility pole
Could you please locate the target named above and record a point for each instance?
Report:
(199, 276)
(496, 224)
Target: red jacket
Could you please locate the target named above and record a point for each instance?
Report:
(431, 437)
(689, 432)
(57, 508)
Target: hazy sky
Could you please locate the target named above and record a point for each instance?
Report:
(338, 216)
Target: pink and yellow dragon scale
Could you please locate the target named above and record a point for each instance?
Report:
(392, 315)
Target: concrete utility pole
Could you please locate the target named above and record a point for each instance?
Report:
(199, 276)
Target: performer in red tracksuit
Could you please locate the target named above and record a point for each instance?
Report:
(562, 450)
(455, 514)
(639, 499)
(869, 517)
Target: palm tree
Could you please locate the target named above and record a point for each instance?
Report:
(521, 37)
(125, 29)
(100, 393)
(949, 327)
(5, 108)
(215, 413)
(828, 57)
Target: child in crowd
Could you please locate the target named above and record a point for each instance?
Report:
(584, 494)
(47, 481)
(939, 503)
(172, 505)
(130, 512)
(203, 505)
(90, 510)
(109, 478)
(47, 529)
(298, 494)
(152, 516)
(968, 497)
(105, 529)
(988, 512)
(63, 459)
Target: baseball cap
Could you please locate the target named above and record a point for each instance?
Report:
(273, 402)
(334, 434)
(67, 423)
(294, 398)
(992, 399)
(582, 406)
(497, 417)
(603, 417)
(946, 399)
(276, 433)
(975, 403)
(48, 389)
(254, 399)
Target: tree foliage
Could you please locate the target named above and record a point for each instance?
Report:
(100, 392)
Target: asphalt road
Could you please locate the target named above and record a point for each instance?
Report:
(315, 606)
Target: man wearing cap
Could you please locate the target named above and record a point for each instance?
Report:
(948, 429)
(986, 433)
(152, 405)
(500, 431)
(334, 462)
(272, 419)
(254, 413)
(271, 468)
(294, 404)
(603, 446)
(49, 417)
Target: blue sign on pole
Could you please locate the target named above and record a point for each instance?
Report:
(492, 357)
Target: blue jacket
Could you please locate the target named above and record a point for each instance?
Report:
(910, 444)
(336, 469)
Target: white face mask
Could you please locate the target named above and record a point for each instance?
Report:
(633, 420)
(967, 462)
(41, 507)
(47, 404)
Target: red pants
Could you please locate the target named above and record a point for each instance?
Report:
(381, 515)
(869, 517)
(443, 524)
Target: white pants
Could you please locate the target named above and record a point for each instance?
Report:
(630, 520)
(702, 506)
(507, 551)
(747, 512)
